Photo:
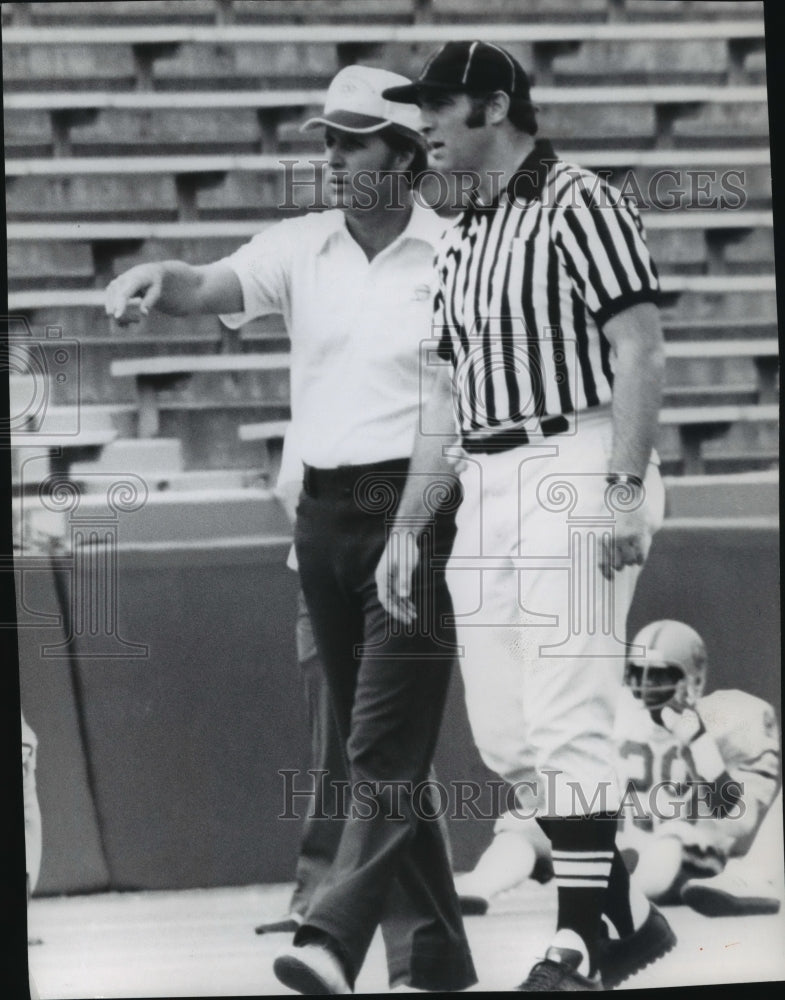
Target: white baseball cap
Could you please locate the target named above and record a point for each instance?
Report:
(354, 103)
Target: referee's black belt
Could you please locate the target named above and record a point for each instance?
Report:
(342, 480)
(514, 437)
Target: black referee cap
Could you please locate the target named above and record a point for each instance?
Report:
(468, 67)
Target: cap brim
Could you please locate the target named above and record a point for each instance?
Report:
(347, 121)
(412, 93)
(406, 94)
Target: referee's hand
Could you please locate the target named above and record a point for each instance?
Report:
(394, 575)
(627, 545)
(133, 294)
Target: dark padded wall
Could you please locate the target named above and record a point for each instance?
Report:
(185, 743)
(72, 855)
(189, 739)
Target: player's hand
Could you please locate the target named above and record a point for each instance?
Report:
(683, 723)
(394, 575)
(628, 544)
(134, 293)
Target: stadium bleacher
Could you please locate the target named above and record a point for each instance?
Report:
(139, 130)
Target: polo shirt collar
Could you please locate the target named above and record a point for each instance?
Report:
(424, 225)
(528, 181)
(335, 223)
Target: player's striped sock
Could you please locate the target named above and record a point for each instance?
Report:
(582, 851)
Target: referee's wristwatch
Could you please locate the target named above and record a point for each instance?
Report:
(624, 492)
(624, 479)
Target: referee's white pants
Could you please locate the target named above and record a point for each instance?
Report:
(542, 631)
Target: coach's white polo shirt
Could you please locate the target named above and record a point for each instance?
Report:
(356, 328)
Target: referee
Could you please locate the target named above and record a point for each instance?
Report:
(552, 370)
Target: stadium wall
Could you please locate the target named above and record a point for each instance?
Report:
(160, 770)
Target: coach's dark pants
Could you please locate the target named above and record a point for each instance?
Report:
(388, 686)
(322, 826)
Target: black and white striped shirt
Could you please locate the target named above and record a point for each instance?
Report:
(525, 285)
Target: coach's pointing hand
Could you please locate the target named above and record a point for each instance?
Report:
(123, 302)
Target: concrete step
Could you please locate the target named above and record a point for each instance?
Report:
(150, 458)
(746, 495)
(26, 399)
(86, 417)
(172, 517)
(30, 466)
(195, 480)
(88, 324)
(112, 12)
(719, 327)
(710, 395)
(210, 436)
(718, 376)
(690, 247)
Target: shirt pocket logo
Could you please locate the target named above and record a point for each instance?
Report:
(422, 293)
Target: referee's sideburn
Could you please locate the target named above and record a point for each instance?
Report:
(547, 319)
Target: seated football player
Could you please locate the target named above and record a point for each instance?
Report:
(698, 773)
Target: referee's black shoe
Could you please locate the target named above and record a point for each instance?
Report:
(620, 958)
(558, 973)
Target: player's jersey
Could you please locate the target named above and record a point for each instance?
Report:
(660, 784)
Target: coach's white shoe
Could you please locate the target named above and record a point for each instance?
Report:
(311, 969)
(731, 894)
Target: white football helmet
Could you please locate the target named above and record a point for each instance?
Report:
(667, 665)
